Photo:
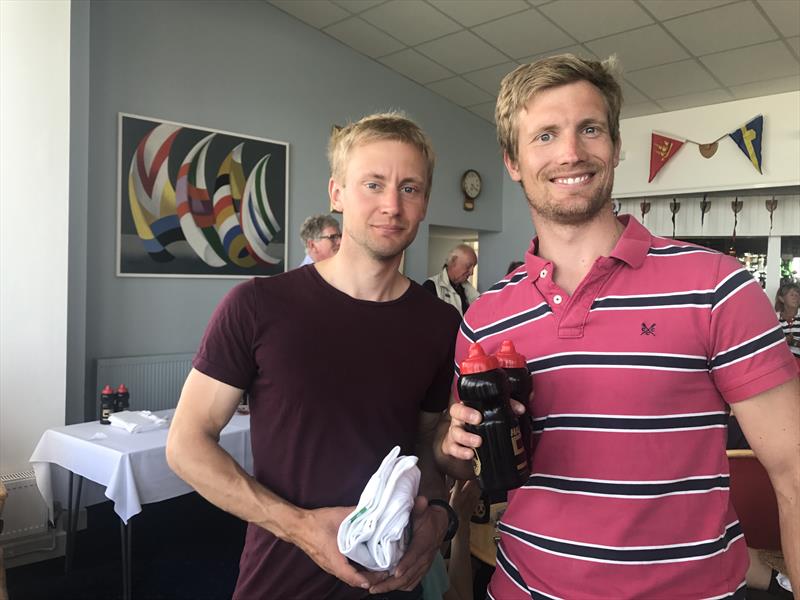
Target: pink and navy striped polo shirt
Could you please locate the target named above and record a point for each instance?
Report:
(628, 496)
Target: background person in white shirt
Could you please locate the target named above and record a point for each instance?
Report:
(321, 236)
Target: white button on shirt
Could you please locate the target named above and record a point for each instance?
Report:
(543, 273)
(557, 299)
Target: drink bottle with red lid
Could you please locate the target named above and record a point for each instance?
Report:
(516, 367)
(106, 404)
(121, 398)
(500, 462)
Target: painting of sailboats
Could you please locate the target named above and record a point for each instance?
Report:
(196, 202)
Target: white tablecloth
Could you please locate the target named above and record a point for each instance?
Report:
(128, 468)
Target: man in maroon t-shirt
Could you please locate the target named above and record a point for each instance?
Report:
(342, 360)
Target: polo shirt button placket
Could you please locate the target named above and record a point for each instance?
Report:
(557, 298)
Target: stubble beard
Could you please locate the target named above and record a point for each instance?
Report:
(575, 211)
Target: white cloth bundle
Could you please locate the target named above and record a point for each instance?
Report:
(373, 535)
(137, 421)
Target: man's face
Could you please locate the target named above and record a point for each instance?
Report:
(461, 268)
(565, 156)
(326, 245)
(383, 197)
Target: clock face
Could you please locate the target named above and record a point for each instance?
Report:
(471, 184)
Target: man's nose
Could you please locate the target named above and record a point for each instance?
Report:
(571, 148)
(390, 201)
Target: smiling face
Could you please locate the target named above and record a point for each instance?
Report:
(566, 157)
(382, 198)
(791, 300)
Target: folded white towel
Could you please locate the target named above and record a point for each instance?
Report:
(373, 535)
(137, 421)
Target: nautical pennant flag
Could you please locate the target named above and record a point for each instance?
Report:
(748, 138)
(662, 148)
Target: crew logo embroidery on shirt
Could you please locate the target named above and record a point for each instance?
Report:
(648, 330)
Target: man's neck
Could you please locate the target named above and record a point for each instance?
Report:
(573, 249)
(363, 277)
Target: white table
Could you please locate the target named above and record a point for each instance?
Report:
(130, 469)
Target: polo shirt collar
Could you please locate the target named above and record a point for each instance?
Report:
(631, 248)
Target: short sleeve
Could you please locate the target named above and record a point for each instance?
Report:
(226, 350)
(748, 353)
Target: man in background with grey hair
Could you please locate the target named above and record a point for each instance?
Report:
(452, 284)
(321, 237)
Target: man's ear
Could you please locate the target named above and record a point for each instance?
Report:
(335, 194)
(512, 167)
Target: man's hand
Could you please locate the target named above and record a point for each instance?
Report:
(316, 536)
(458, 442)
(429, 526)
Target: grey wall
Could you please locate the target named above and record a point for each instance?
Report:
(500, 248)
(243, 67)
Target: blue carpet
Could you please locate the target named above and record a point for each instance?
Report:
(182, 548)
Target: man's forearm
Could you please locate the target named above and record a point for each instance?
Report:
(200, 461)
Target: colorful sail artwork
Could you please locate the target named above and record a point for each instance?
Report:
(258, 222)
(194, 208)
(228, 191)
(150, 193)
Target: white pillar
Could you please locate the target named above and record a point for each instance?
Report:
(773, 266)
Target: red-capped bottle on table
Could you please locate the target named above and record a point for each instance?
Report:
(121, 398)
(500, 462)
(106, 404)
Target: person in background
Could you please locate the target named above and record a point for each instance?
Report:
(636, 345)
(321, 237)
(514, 265)
(331, 391)
(787, 305)
(452, 284)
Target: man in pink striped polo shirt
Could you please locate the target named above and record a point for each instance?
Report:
(637, 345)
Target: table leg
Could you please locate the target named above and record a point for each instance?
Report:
(73, 510)
(125, 539)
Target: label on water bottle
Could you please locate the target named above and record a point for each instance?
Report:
(476, 463)
(516, 441)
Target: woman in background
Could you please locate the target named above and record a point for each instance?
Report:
(787, 303)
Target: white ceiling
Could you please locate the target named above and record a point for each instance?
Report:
(675, 53)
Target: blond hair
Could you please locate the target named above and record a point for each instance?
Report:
(393, 126)
(521, 85)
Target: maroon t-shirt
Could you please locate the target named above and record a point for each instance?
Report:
(334, 384)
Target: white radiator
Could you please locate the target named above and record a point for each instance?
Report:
(25, 512)
(154, 382)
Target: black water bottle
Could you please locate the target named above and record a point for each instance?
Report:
(500, 462)
(106, 404)
(121, 398)
(516, 368)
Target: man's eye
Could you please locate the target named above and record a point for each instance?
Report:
(591, 130)
(409, 189)
(545, 137)
(372, 185)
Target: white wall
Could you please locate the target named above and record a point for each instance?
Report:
(34, 189)
(729, 168)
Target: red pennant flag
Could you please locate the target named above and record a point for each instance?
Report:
(662, 148)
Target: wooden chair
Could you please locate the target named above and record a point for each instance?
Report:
(754, 500)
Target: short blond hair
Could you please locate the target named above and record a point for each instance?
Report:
(394, 126)
(521, 85)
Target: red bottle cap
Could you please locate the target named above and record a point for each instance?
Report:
(107, 390)
(477, 361)
(509, 358)
(122, 389)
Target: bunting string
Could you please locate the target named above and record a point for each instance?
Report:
(747, 137)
